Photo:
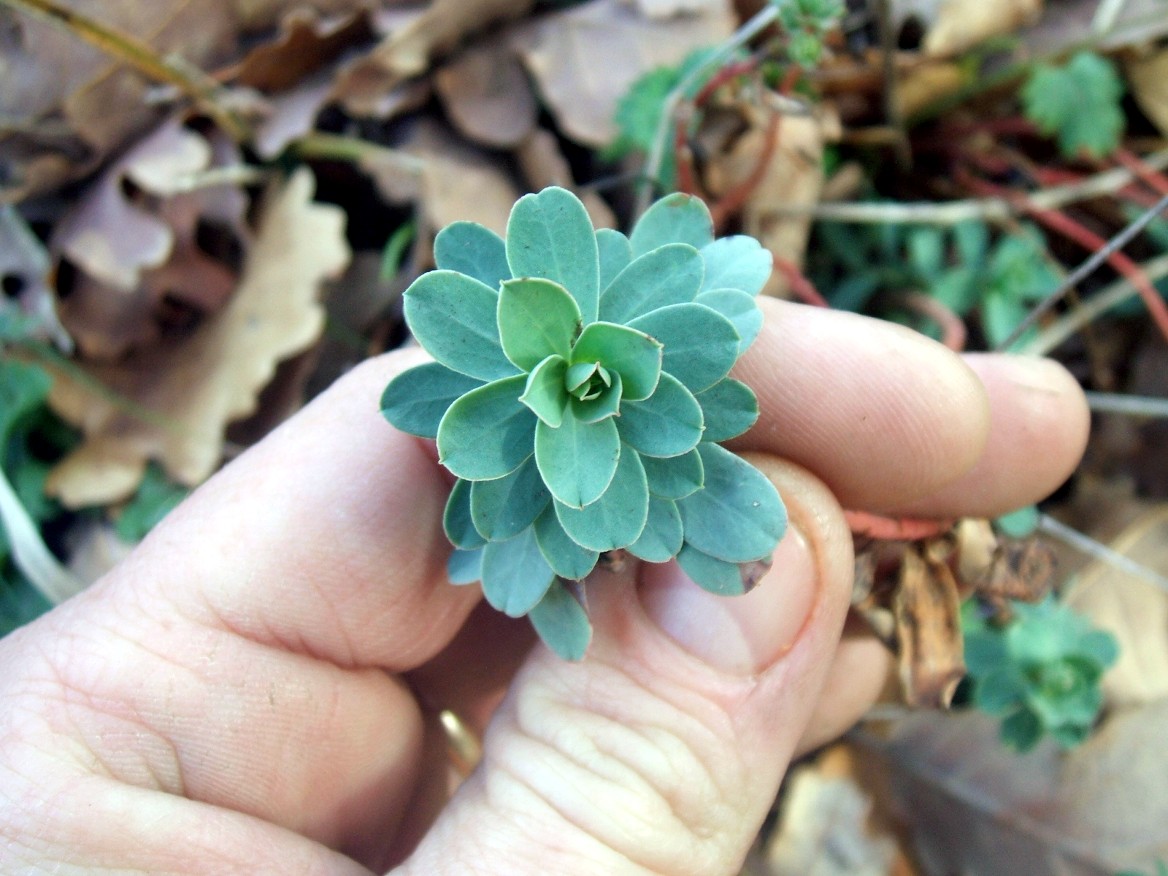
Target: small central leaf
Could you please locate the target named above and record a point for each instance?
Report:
(633, 355)
(537, 319)
(545, 393)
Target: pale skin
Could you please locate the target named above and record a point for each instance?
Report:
(254, 690)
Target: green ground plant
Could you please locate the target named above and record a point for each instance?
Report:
(579, 395)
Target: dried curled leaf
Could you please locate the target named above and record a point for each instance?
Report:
(172, 405)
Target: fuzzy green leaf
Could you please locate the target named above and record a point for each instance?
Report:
(474, 250)
(562, 623)
(1079, 103)
(616, 519)
(676, 218)
(544, 392)
(515, 574)
(537, 319)
(567, 558)
(738, 515)
(740, 308)
(1019, 523)
(416, 399)
(465, 567)
(504, 507)
(632, 354)
(667, 423)
(453, 318)
(701, 345)
(729, 407)
(615, 254)
(661, 538)
(549, 235)
(457, 520)
(676, 477)
(670, 274)
(709, 573)
(577, 460)
(737, 262)
(488, 432)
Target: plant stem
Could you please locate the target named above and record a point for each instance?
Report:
(52, 580)
(1099, 551)
(200, 87)
(1134, 405)
(754, 26)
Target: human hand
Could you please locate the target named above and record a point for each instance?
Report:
(254, 690)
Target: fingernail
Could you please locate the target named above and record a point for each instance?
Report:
(737, 634)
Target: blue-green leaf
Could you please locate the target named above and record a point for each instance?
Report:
(453, 318)
(562, 623)
(676, 477)
(465, 567)
(709, 573)
(515, 574)
(504, 507)
(676, 218)
(488, 432)
(577, 460)
(544, 392)
(416, 399)
(729, 407)
(474, 250)
(738, 515)
(615, 254)
(667, 423)
(632, 354)
(1019, 523)
(550, 235)
(616, 519)
(457, 520)
(670, 274)
(537, 318)
(661, 538)
(566, 558)
(737, 262)
(700, 344)
(607, 404)
(740, 308)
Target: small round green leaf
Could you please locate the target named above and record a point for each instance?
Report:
(505, 506)
(616, 519)
(676, 477)
(416, 399)
(729, 407)
(577, 460)
(537, 318)
(740, 308)
(738, 515)
(709, 573)
(700, 344)
(453, 318)
(670, 274)
(465, 567)
(667, 423)
(661, 538)
(676, 218)
(737, 262)
(474, 250)
(566, 558)
(615, 254)
(488, 432)
(515, 574)
(632, 354)
(544, 392)
(457, 520)
(562, 623)
(607, 404)
(550, 235)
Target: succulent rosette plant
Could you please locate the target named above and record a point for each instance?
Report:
(579, 391)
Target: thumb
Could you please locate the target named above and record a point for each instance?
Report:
(663, 749)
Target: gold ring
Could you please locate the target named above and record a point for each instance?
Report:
(461, 742)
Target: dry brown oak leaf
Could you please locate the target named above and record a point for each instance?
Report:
(194, 389)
